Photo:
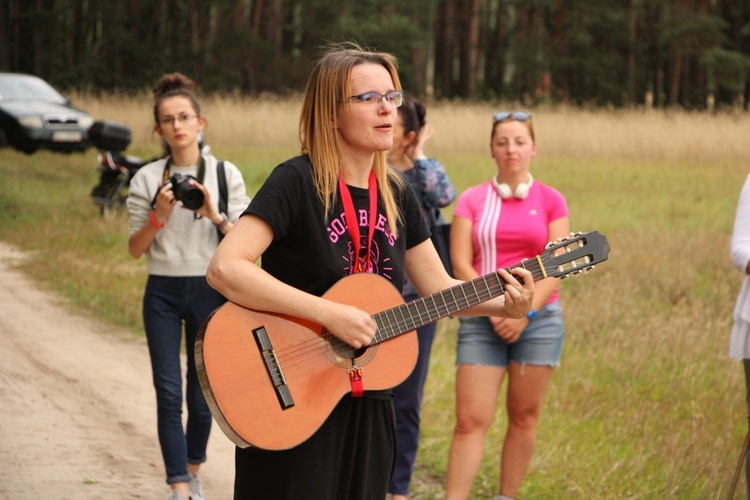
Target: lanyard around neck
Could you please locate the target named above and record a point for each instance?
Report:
(352, 222)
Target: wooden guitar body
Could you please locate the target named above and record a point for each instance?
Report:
(240, 390)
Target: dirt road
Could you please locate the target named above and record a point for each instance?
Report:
(77, 409)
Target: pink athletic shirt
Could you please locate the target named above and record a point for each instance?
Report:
(505, 232)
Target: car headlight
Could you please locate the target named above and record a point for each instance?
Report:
(31, 121)
(86, 121)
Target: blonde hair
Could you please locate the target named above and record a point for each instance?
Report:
(328, 87)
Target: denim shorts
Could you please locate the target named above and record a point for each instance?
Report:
(540, 343)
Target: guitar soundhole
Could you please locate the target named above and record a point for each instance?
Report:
(342, 353)
(345, 350)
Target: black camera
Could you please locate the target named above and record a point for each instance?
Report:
(190, 196)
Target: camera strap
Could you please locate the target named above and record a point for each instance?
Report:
(201, 170)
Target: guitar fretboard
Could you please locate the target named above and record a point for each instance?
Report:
(412, 315)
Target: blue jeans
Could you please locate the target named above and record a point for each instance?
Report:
(408, 404)
(168, 304)
(540, 343)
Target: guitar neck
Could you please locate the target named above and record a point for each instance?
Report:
(412, 315)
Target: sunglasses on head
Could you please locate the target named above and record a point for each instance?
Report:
(521, 116)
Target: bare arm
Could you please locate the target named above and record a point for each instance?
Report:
(234, 273)
(211, 211)
(462, 251)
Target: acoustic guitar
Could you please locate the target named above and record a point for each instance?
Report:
(271, 380)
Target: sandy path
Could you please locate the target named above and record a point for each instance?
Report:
(77, 409)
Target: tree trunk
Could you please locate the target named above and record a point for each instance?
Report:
(444, 49)
(495, 56)
(195, 41)
(257, 18)
(632, 52)
(675, 70)
(561, 77)
(469, 49)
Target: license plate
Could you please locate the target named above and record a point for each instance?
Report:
(67, 136)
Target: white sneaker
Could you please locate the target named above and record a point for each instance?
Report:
(176, 495)
(195, 487)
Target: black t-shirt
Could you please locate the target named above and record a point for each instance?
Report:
(312, 254)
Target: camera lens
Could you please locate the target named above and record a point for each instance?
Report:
(190, 196)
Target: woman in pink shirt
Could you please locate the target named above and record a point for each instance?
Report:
(497, 224)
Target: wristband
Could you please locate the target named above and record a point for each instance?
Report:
(532, 314)
(152, 219)
(224, 221)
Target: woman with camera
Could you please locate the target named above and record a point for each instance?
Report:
(180, 207)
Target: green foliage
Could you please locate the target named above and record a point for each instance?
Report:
(597, 53)
(572, 51)
(728, 69)
(388, 31)
(692, 32)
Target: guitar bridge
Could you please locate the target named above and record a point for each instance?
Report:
(273, 367)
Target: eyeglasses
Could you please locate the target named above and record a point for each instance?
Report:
(169, 120)
(395, 98)
(521, 116)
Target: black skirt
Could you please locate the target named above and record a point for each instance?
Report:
(350, 457)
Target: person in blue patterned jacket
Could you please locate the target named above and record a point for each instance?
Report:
(434, 190)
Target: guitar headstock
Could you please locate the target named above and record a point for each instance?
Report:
(575, 254)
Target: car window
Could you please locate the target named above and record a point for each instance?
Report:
(23, 87)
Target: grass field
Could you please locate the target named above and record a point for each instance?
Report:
(646, 404)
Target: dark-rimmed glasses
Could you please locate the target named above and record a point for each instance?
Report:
(521, 116)
(394, 98)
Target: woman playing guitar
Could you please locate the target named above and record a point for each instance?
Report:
(335, 210)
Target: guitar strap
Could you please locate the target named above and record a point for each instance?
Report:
(355, 377)
(359, 265)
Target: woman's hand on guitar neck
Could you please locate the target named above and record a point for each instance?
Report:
(517, 296)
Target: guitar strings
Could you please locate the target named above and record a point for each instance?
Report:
(300, 356)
